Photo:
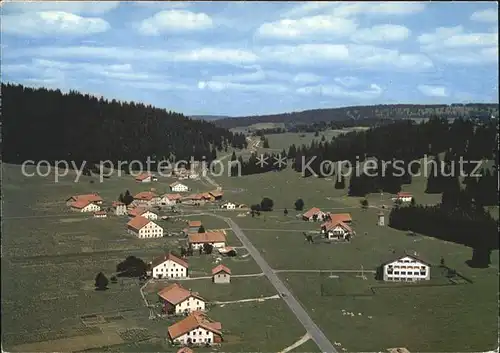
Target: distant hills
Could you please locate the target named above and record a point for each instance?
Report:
(392, 111)
(208, 117)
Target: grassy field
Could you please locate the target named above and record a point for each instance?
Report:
(50, 257)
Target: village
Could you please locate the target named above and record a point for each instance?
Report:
(194, 327)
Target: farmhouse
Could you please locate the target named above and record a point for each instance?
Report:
(169, 266)
(216, 239)
(228, 206)
(140, 211)
(144, 228)
(84, 205)
(196, 329)
(314, 214)
(340, 217)
(217, 194)
(144, 178)
(221, 274)
(178, 187)
(170, 199)
(178, 300)
(146, 198)
(404, 197)
(100, 214)
(336, 231)
(193, 199)
(95, 198)
(193, 226)
(405, 267)
(119, 208)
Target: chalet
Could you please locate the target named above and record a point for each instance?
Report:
(340, 217)
(196, 329)
(216, 239)
(119, 208)
(178, 300)
(144, 228)
(146, 198)
(228, 206)
(336, 231)
(404, 197)
(100, 214)
(221, 274)
(314, 214)
(94, 198)
(144, 178)
(405, 267)
(217, 194)
(178, 187)
(168, 266)
(170, 199)
(83, 205)
(140, 211)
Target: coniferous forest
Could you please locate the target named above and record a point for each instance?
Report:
(41, 124)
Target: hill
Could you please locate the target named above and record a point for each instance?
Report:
(397, 111)
(41, 124)
(208, 117)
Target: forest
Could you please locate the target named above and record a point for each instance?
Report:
(41, 124)
(358, 113)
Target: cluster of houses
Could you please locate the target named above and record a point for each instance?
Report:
(196, 328)
(334, 226)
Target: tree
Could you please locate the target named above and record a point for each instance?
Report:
(120, 198)
(412, 202)
(200, 250)
(266, 204)
(255, 207)
(364, 203)
(299, 205)
(441, 262)
(201, 229)
(183, 251)
(285, 212)
(208, 248)
(131, 267)
(101, 281)
(127, 198)
(266, 143)
(113, 279)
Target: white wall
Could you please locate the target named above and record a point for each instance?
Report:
(198, 336)
(196, 246)
(190, 304)
(169, 269)
(405, 274)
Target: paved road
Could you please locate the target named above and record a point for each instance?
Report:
(312, 329)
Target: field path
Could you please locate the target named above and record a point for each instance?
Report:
(276, 296)
(299, 343)
(210, 277)
(312, 329)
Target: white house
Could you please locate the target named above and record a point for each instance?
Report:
(221, 274)
(216, 239)
(84, 206)
(169, 266)
(196, 329)
(146, 199)
(406, 267)
(139, 211)
(144, 178)
(119, 208)
(178, 300)
(314, 214)
(170, 199)
(94, 198)
(178, 187)
(336, 231)
(228, 206)
(144, 228)
(404, 197)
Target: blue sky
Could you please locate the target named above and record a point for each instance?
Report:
(243, 58)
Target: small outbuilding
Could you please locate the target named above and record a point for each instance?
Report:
(221, 274)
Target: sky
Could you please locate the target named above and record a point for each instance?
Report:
(251, 58)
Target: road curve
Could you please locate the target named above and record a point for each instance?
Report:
(312, 329)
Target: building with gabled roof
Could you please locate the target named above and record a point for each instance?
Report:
(196, 329)
(313, 214)
(144, 228)
(144, 178)
(94, 198)
(141, 211)
(178, 300)
(217, 239)
(146, 198)
(337, 230)
(119, 208)
(178, 187)
(170, 199)
(405, 267)
(84, 205)
(404, 196)
(168, 266)
(216, 194)
(221, 274)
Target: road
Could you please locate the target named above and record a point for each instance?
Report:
(312, 329)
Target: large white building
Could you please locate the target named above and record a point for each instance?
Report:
(144, 228)
(169, 266)
(178, 187)
(407, 268)
(196, 329)
(170, 199)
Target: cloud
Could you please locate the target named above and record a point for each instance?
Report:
(222, 55)
(350, 9)
(359, 56)
(174, 20)
(348, 81)
(306, 78)
(219, 86)
(433, 91)
(381, 33)
(164, 4)
(52, 23)
(262, 75)
(489, 15)
(75, 7)
(335, 91)
(454, 45)
(308, 27)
